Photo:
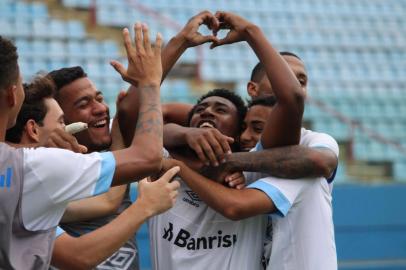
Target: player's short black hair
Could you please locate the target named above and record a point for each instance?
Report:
(33, 106)
(229, 95)
(258, 71)
(9, 70)
(268, 101)
(287, 53)
(65, 76)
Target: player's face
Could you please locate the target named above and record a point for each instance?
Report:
(216, 112)
(81, 102)
(298, 68)
(53, 119)
(264, 86)
(19, 99)
(254, 124)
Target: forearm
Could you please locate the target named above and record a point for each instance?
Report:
(174, 136)
(232, 203)
(171, 53)
(284, 83)
(290, 162)
(144, 156)
(287, 113)
(89, 250)
(95, 207)
(127, 112)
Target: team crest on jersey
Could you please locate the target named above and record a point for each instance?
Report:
(192, 199)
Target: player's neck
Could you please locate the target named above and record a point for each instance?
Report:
(3, 126)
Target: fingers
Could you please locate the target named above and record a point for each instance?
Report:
(145, 33)
(200, 154)
(119, 68)
(204, 39)
(121, 95)
(127, 42)
(208, 151)
(236, 179)
(225, 142)
(158, 44)
(138, 38)
(62, 139)
(169, 174)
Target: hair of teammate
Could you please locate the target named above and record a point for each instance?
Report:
(286, 53)
(9, 70)
(65, 76)
(268, 101)
(258, 71)
(33, 106)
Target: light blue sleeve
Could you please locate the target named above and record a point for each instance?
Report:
(59, 232)
(280, 201)
(108, 166)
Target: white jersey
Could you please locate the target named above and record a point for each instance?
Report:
(54, 177)
(193, 236)
(302, 227)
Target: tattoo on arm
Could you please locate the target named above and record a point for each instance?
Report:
(285, 162)
(150, 115)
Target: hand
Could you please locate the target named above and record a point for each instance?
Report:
(210, 145)
(144, 62)
(236, 180)
(61, 139)
(168, 163)
(190, 33)
(237, 26)
(160, 195)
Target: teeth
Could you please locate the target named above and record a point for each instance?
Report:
(206, 124)
(100, 123)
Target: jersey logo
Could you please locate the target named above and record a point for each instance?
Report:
(5, 179)
(193, 198)
(183, 239)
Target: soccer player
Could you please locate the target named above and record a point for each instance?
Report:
(39, 116)
(315, 158)
(318, 162)
(35, 194)
(193, 234)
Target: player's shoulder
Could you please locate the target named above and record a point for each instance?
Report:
(308, 135)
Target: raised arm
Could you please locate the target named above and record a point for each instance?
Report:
(91, 249)
(143, 157)
(172, 113)
(188, 37)
(284, 123)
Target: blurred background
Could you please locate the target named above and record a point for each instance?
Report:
(355, 54)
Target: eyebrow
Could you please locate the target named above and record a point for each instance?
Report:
(88, 97)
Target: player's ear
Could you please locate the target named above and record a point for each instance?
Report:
(31, 128)
(252, 89)
(11, 95)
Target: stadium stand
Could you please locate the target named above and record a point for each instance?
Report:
(355, 52)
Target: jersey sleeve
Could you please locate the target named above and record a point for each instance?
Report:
(282, 192)
(323, 140)
(59, 232)
(54, 177)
